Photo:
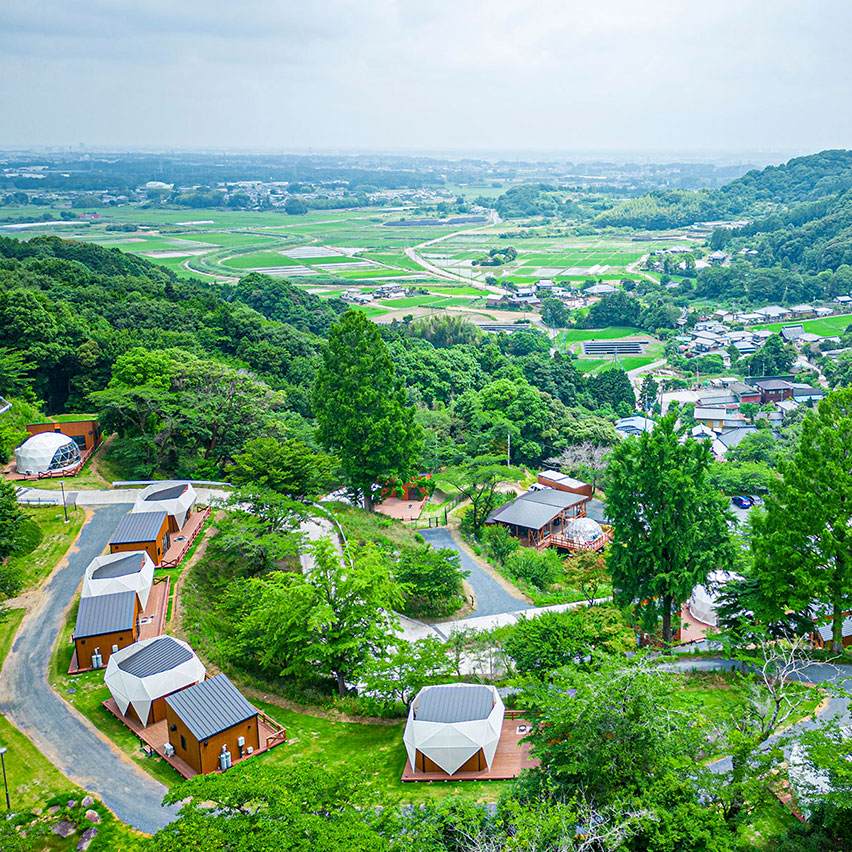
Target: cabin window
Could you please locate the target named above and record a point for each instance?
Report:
(183, 742)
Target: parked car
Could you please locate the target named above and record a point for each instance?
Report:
(742, 502)
(756, 499)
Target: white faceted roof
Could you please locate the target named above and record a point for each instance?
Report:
(702, 601)
(140, 691)
(450, 744)
(172, 497)
(583, 530)
(127, 578)
(47, 451)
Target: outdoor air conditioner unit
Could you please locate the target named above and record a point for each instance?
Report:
(250, 750)
(169, 750)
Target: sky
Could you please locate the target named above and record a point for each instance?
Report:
(427, 75)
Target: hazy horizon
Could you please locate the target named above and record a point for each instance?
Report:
(395, 76)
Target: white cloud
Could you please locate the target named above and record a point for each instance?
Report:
(543, 74)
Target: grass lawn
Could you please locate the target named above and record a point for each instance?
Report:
(578, 335)
(259, 260)
(827, 326)
(369, 310)
(361, 526)
(414, 301)
(633, 362)
(229, 240)
(379, 747)
(32, 778)
(589, 365)
(457, 291)
(45, 541)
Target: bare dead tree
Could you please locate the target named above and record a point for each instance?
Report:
(587, 461)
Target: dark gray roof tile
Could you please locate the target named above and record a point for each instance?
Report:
(105, 614)
(456, 703)
(161, 655)
(126, 563)
(171, 492)
(138, 527)
(211, 706)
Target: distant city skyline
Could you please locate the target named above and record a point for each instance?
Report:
(741, 79)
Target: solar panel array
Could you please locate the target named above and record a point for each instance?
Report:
(614, 347)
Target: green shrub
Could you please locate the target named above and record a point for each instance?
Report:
(540, 569)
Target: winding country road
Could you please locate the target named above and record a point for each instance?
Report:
(69, 740)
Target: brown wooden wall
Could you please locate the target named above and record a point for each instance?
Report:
(585, 488)
(86, 647)
(473, 764)
(87, 429)
(155, 549)
(205, 758)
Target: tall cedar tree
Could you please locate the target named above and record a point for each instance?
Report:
(670, 528)
(803, 543)
(361, 408)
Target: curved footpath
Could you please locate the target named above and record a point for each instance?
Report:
(63, 735)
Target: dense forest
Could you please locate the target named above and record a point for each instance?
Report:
(185, 372)
(759, 192)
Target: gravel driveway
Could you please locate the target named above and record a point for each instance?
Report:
(64, 736)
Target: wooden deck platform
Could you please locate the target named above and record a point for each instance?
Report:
(10, 472)
(154, 738)
(511, 757)
(182, 541)
(402, 510)
(152, 621)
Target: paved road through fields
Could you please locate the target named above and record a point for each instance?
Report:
(65, 737)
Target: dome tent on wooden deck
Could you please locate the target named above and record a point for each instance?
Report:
(452, 726)
(176, 499)
(144, 673)
(47, 451)
(120, 572)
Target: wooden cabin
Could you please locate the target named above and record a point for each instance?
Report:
(148, 531)
(821, 637)
(203, 718)
(563, 482)
(86, 432)
(105, 623)
(538, 518)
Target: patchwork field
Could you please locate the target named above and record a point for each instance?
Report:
(357, 245)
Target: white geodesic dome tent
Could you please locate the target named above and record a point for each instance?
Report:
(145, 671)
(176, 499)
(449, 724)
(45, 452)
(120, 572)
(702, 601)
(583, 531)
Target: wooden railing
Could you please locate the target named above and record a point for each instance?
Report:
(173, 563)
(557, 540)
(280, 734)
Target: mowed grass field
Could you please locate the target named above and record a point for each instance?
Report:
(578, 335)
(826, 326)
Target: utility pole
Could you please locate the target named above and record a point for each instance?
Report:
(5, 782)
(508, 449)
(64, 507)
